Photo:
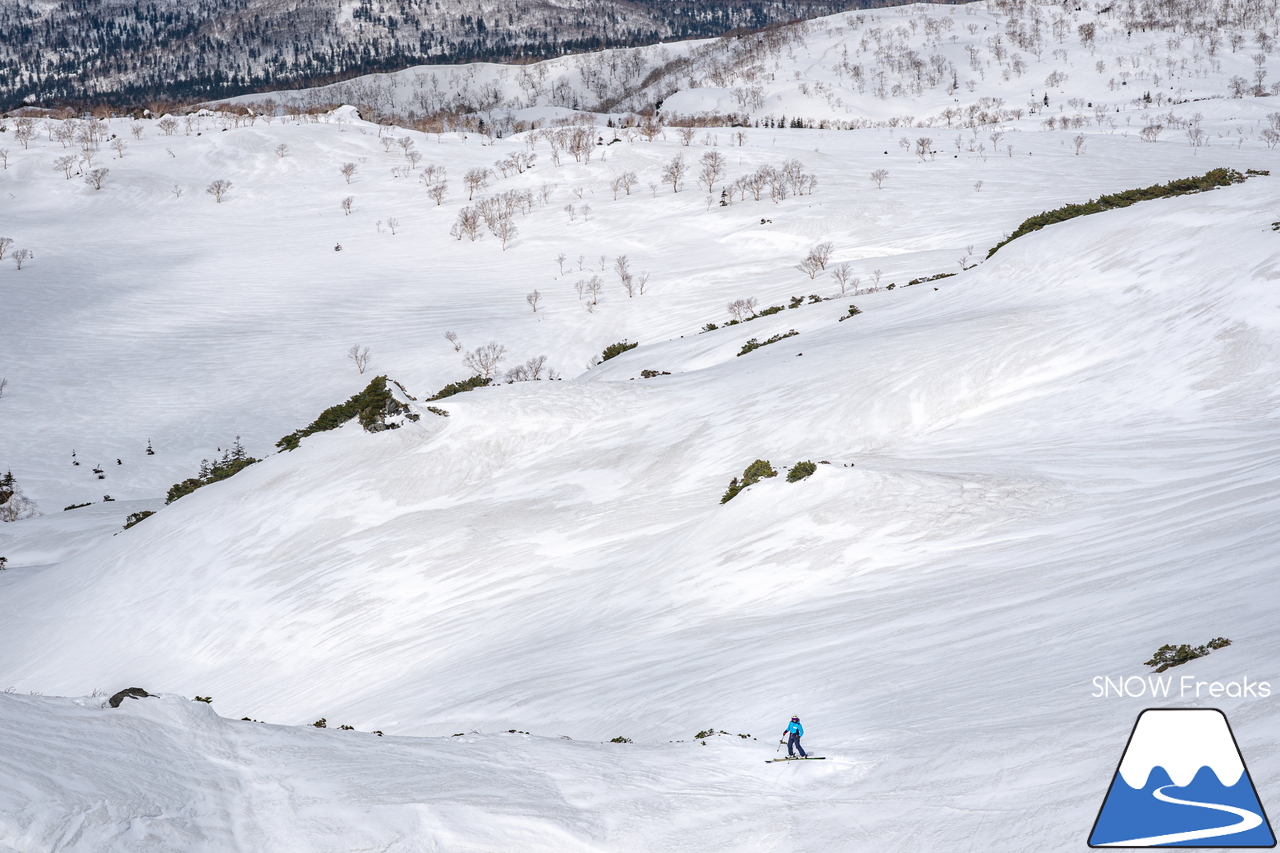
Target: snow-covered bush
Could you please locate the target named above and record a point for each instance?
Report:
(614, 350)
(753, 344)
(1169, 655)
(459, 387)
(754, 473)
(14, 506)
(800, 470)
(372, 406)
(134, 517)
(234, 460)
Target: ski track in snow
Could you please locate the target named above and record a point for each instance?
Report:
(1040, 471)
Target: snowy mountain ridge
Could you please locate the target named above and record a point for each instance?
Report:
(939, 67)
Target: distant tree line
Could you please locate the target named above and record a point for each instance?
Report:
(144, 53)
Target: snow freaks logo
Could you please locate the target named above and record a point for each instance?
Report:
(1181, 783)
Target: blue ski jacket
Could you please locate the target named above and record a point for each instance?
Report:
(795, 729)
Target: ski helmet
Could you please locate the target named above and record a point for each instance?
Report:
(795, 719)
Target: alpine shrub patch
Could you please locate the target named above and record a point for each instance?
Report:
(233, 461)
(614, 350)
(925, 278)
(620, 740)
(756, 471)
(135, 517)
(649, 374)
(452, 388)
(370, 405)
(753, 344)
(1170, 655)
(800, 470)
(1182, 186)
(75, 506)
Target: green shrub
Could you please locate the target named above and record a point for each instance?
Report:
(800, 470)
(614, 350)
(649, 374)
(796, 302)
(772, 309)
(369, 405)
(208, 700)
(620, 740)
(756, 471)
(135, 517)
(1170, 655)
(1182, 186)
(854, 311)
(926, 278)
(710, 327)
(321, 723)
(75, 506)
(452, 388)
(437, 411)
(753, 345)
(233, 461)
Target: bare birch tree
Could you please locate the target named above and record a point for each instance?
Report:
(713, 169)
(476, 179)
(842, 274)
(485, 360)
(218, 189)
(360, 357)
(673, 172)
(65, 164)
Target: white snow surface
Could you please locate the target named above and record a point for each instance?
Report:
(1039, 471)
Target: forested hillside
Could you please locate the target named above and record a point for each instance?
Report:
(141, 51)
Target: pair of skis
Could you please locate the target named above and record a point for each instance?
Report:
(797, 758)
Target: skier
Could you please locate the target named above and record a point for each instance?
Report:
(794, 732)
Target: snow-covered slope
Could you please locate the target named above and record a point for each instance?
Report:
(1039, 471)
(1051, 456)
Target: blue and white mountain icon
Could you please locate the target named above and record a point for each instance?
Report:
(1182, 783)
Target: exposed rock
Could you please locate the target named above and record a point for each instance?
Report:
(127, 693)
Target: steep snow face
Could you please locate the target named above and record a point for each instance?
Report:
(1050, 453)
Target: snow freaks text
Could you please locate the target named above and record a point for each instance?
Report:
(1186, 687)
